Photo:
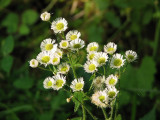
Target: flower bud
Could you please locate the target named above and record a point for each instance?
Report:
(33, 63)
(45, 16)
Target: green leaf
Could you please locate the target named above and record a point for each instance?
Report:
(23, 83)
(7, 45)
(29, 17)
(11, 22)
(24, 29)
(46, 116)
(147, 17)
(6, 63)
(77, 118)
(12, 116)
(102, 4)
(150, 115)
(78, 65)
(4, 3)
(118, 117)
(113, 19)
(78, 97)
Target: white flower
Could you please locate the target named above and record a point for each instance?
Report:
(98, 82)
(44, 58)
(59, 52)
(59, 25)
(100, 99)
(91, 55)
(59, 81)
(55, 59)
(111, 80)
(63, 68)
(92, 47)
(130, 55)
(111, 92)
(73, 35)
(48, 83)
(101, 58)
(64, 44)
(110, 48)
(90, 66)
(117, 61)
(33, 63)
(77, 44)
(77, 84)
(45, 16)
(48, 45)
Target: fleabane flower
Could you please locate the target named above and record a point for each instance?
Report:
(55, 59)
(111, 92)
(100, 99)
(101, 58)
(48, 45)
(59, 25)
(77, 84)
(98, 82)
(45, 16)
(48, 83)
(92, 47)
(63, 68)
(64, 44)
(77, 44)
(117, 61)
(33, 63)
(110, 48)
(59, 52)
(90, 66)
(91, 55)
(44, 58)
(130, 55)
(59, 81)
(73, 35)
(111, 80)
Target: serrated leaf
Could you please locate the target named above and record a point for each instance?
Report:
(7, 45)
(23, 83)
(29, 17)
(6, 63)
(151, 115)
(24, 29)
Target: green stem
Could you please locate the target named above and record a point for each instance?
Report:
(43, 68)
(112, 109)
(133, 113)
(104, 113)
(84, 112)
(104, 70)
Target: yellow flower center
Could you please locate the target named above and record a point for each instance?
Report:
(65, 68)
(49, 46)
(91, 56)
(110, 49)
(98, 81)
(77, 46)
(117, 62)
(78, 86)
(101, 98)
(49, 84)
(101, 60)
(33, 63)
(92, 67)
(59, 26)
(93, 48)
(55, 60)
(73, 37)
(111, 94)
(45, 59)
(131, 57)
(59, 53)
(59, 83)
(112, 81)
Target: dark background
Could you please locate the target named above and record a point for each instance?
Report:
(132, 24)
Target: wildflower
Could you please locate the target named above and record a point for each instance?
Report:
(111, 80)
(33, 63)
(130, 55)
(44, 58)
(73, 35)
(77, 84)
(45, 16)
(92, 47)
(101, 58)
(55, 59)
(98, 82)
(90, 66)
(111, 92)
(110, 48)
(117, 61)
(64, 44)
(59, 52)
(63, 68)
(48, 82)
(77, 44)
(48, 45)
(59, 81)
(91, 55)
(59, 25)
(100, 99)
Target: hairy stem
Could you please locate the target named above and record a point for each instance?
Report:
(104, 113)
(84, 112)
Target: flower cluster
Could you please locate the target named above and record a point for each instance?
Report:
(58, 56)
